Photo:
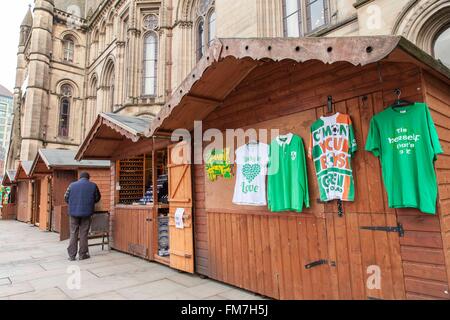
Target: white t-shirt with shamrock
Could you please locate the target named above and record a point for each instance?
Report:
(251, 160)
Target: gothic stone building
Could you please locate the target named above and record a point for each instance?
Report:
(78, 58)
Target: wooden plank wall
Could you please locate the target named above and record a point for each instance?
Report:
(267, 254)
(8, 212)
(200, 221)
(102, 177)
(413, 266)
(112, 203)
(438, 98)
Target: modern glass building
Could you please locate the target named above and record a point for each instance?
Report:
(6, 118)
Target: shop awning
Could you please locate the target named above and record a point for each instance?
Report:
(115, 136)
(48, 160)
(108, 133)
(230, 63)
(9, 178)
(24, 170)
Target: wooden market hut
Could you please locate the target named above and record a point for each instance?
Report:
(53, 170)
(137, 227)
(287, 84)
(24, 198)
(9, 209)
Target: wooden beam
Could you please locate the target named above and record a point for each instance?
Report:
(202, 100)
(108, 139)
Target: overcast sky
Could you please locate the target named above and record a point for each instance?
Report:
(12, 13)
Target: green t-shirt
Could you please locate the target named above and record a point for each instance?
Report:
(406, 141)
(288, 180)
(331, 147)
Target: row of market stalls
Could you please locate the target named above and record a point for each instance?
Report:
(183, 215)
(37, 189)
(359, 250)
(8, 208)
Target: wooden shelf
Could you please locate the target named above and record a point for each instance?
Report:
(131, 180)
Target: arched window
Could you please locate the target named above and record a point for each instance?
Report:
(69, 49)
(441, 47)
(92, 102)
(206, 26)
(150, 64)
(211, 27)
(200, 39)
(108, 84)
(94, 45)
(64, 110)
(112, 92)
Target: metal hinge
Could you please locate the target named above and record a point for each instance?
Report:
(319, 263)
(399, 229)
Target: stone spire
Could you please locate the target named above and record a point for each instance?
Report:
(25, 27)
(28, 19)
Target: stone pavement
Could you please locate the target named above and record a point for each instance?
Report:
(34, 266)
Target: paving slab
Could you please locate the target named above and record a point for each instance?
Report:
(10, 290)
(111, 295)
(209, 289)
(34, 266)
(236, 294)
(151, 290)
(47, 294)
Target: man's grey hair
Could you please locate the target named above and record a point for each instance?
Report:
(85, 175)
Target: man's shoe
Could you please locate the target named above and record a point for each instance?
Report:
(85, 257)
(72, 259)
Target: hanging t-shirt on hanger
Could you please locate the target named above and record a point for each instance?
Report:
(288, 180)
(251, 160)
(406, 141)
(331, 147)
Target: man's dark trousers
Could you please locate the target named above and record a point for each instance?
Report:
(79, 228)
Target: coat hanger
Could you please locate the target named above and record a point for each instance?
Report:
(400, 102)
(329, 105)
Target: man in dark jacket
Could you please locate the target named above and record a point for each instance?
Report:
(81, 196)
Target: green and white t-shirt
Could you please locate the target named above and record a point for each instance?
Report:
(287, 177)
(251, 160)
(406, 141)
(331, 147)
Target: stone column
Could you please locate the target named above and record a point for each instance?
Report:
(34, 130)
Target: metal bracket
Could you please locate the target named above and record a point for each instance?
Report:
(316, 264)
(399, 229)
(330, 104)
(340, 209)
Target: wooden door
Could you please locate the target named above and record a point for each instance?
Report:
(45, 204)
(132, 231)
(366, 251)
(22, 202)
(364, 242)
(36, 201)
(180, 198)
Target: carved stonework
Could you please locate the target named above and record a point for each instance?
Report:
(185, 24)
(151, 22)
